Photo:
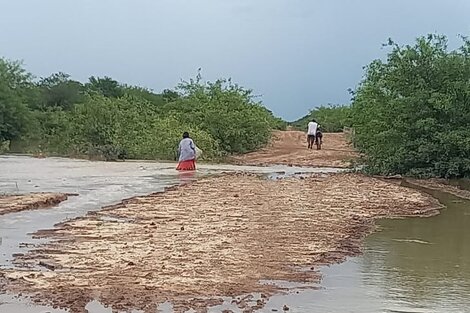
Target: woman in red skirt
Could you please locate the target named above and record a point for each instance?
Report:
(187, 154)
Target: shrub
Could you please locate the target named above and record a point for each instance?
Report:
(411, 113)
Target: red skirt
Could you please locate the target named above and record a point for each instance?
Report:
(189, 165)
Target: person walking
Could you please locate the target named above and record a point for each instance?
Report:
(311, 133)
(187, 154)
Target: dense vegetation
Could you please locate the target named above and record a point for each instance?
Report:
(332, 118)
(411, 113)
(105, 118)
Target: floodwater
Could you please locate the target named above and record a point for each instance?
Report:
(418, 265)
(96, 183)
(413, 265)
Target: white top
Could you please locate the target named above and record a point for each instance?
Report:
(312, 128)
(187, 150)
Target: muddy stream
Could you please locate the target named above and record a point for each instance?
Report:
(411, 265)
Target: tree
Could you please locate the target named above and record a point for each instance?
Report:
(144, 93)
(170, 95)
(411, 113)
(59, 91)
(227, 111)
(14, 114)
(105, 86)
(110, 120)
(332, 118)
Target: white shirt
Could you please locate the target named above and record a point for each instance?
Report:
(312, 128)
(187, 150)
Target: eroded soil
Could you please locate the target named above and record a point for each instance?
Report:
(441, 185)
(215, 237)
(32, 201)
(290, 148)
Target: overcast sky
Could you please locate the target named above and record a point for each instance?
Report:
(296, 54)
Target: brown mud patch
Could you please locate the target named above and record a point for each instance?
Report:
(290, 148)
(217, 237)
(32, 201)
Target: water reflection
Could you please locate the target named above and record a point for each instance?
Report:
(186, 177)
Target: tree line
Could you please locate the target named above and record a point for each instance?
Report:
(332, 118)
(410, 114)
(103, 118)
(411, 111)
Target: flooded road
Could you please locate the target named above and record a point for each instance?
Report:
(422, 265)
(97, 184)
(412, 265)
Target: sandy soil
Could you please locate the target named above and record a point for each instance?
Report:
(290, 148)
(215, 237)
(17, 203)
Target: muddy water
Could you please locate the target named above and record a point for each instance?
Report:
(411, 265)
(417, 265)
(97, 184)
(424, 263)
(463, 183)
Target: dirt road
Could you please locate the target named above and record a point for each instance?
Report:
(197, 243)
(290, 148)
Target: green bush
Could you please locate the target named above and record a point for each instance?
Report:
(4, 146)
(332, 118)
(132, 126)
(108, 120)
(227, 112)
(411, 113)
(15, 91)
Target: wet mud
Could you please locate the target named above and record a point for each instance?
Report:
(218, 237)
(32, 201)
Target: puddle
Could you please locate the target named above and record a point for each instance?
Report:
(10, 304)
